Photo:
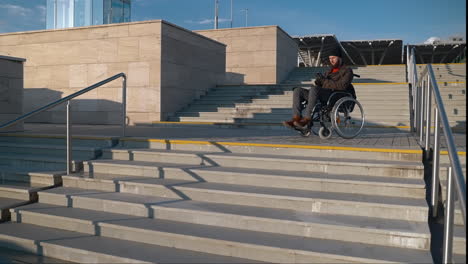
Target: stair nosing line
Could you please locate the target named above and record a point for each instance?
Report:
(290, 178)
(250, 245)
(273, 158)
(85, 251)
(243, 144)
(244, 217)
(304, 199)
(306, 224)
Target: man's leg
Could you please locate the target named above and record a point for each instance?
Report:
(299, 95)
(313, 95)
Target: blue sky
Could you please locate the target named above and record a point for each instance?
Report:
(413, 21)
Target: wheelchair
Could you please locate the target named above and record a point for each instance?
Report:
(341, 113)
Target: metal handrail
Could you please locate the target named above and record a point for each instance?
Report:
(67, 99)
(423, 90)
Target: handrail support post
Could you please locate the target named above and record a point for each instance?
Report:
(124, 104)
(435, 164)
(69, 139)
(449, 215)
(421, 113)
(427, 143)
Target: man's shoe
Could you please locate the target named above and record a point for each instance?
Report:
(303, 123)
(290, 123)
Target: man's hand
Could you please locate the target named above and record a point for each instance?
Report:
(319, 79)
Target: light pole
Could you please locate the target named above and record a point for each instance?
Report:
(246, 10)
(216, 15)
(231, 13)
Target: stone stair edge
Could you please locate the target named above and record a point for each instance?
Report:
(284, 175)
(79, 247)
(41, 146)
(259, 157)
(232, 233)
(198, 207)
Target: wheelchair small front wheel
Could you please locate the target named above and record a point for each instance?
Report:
(305, 133)
(325, 133)
(347, 117)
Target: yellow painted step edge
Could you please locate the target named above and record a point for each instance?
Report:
(177, 141)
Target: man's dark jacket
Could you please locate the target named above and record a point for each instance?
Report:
(340, 81)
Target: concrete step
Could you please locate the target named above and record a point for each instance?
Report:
(367, 91)
(293, 223)
(459, 241)
(287, 100)
(82, 153)
(28, 176)
(288, 103)
(375, 108)
(280, 149)
(174, 191)
(365, 78)
(278, 119)
(355, 70)
(372, 90)
(247, 92)
(51, 140)
(276, 123)
(20, 190)
(253, 111)
(286, 114)
(447, 78)
(384, 186)
(83, 248)
(257, 161)
(212, 239)
(15, 256)
(253, 89)
(37, 162)
(6, 204)
(369, 81)
(288, 96)
(14, 194)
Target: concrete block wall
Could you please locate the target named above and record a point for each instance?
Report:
(256, 55)
(191, 64)
(286, 57)
(61, 62)
(11, 90)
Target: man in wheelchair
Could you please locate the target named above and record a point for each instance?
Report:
(337, 79)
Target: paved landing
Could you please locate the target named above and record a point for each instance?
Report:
(370, 137)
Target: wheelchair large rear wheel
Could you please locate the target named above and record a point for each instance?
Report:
(347, 117)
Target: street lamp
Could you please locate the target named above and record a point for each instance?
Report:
(246, 10)
(216, 14)
(231, 13)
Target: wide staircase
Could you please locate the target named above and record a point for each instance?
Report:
(165, 201)
(382, 90)
(451, 80)
(145, 200)
(29, 165)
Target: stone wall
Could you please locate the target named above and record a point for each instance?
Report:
(256, 55)
(60, 62)
(191, 64)
(286, 56)
(11, 91)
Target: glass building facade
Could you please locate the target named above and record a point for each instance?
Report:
(80, 13)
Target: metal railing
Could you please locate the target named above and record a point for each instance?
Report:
(422, 91)
(67, 100)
